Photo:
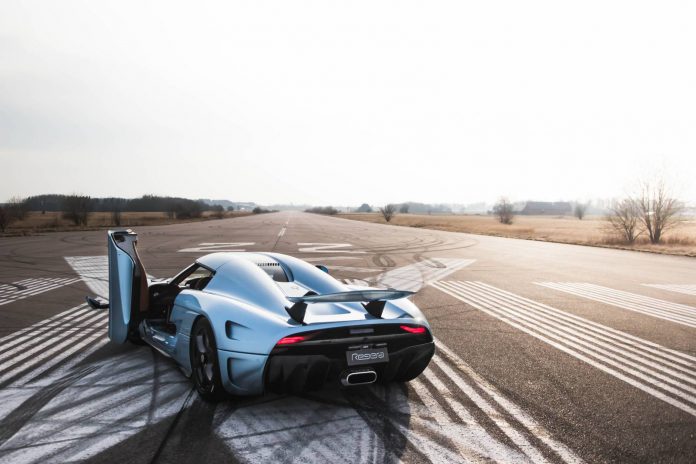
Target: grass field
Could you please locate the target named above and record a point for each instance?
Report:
(590, 231)
(35, 222)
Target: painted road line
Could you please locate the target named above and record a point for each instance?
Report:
(323, 259)
(687, 289)
(53, 320)
(272, 431)
(30, 287)
(40, 330)
(52, 351)
(549, 325)
(514, 435)
(117, 399)
(466, 379)
(354, 269)
(532, 426)
(467, 418)
(673, 312)
(65, 362)
(34, 286)
(470, 439)
(94, 272)
(619, 355)
(214, 247)
(415, 276)
(282, 232)
(315, 247)
(29, 347)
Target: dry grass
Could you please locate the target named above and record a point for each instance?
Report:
(35, 222)
(590, 231)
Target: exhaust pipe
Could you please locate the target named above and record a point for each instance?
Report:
(359, 378)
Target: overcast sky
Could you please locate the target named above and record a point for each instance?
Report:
(346, 102)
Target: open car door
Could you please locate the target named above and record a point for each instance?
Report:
(128, 287)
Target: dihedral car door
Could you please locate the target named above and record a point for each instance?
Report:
(127, 284)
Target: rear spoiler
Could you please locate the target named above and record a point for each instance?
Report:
(373, 300)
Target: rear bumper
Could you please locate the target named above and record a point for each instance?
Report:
(295, 371)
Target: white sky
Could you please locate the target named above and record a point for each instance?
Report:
(346, 102)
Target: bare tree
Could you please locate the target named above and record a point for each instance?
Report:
(116, 216)
(623, 219)
(388, 211)
(5, 218)
(18, 208)
(403, 209)
(77, 209)
(580, 210)
(658, 210)
(503, 209)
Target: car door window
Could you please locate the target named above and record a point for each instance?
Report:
(197, 280)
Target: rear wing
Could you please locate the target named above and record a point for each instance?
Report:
(373, 300)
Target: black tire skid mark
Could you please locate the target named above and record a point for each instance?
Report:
(378, 415)
(118, 425)
(21, 415)
(195, 424)
(381, 419)
(383, 261)
(284, 454)
(106, 390)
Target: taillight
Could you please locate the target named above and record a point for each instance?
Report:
(413, 330)
(290, 340)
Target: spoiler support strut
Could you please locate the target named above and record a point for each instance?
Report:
(373, 301)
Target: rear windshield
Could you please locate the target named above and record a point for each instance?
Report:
(275, 271)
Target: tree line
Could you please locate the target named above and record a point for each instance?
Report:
(77, 208)
(651, 210)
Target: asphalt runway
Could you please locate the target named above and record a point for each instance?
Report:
(545, 353)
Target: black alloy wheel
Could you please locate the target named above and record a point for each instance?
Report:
(204, 362)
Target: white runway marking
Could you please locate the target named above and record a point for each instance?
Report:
(323, 259)
(94, 271)
(663, 373)
(114, 400)
(508, 406)
(326, 248)
(687, 289)
(29, 287)
(673, 312)
(415, 276)
(209, 247)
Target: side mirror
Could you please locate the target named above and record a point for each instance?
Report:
(97, 303)
(323, 268)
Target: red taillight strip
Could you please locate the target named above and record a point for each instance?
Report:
(413, 330)
(290, 340)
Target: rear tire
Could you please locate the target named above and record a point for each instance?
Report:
(205, 370)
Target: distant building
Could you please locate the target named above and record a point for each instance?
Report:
(555, 208)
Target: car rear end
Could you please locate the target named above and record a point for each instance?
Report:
(349, 355)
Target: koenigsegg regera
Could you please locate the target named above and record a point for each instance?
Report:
(243, 323)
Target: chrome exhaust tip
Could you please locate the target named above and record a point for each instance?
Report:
(359, 378)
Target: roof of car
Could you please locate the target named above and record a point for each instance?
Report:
(215, 260)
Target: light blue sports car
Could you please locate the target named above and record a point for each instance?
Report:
(243, 323)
